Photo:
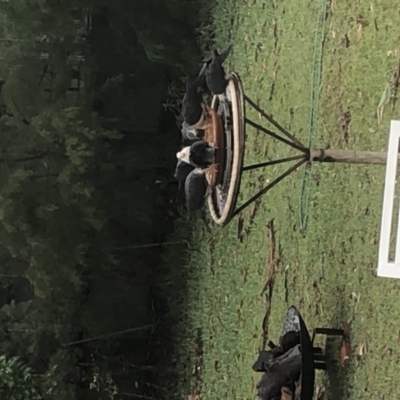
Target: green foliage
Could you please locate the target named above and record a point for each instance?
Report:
(103, 382)
(26, 19)
(53, 160)
(17, 327)
(168, 35)
(55, 383)
(55, 190)
(173, 102)
(16, 381)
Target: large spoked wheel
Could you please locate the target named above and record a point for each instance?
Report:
(223, 198)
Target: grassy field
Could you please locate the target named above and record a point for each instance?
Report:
(329, 272)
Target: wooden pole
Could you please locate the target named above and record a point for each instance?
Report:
(269, 186)
(349, 156)
(273, 122)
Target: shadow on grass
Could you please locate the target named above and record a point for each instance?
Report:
(170, 352)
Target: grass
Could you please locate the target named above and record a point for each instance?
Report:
(329, 272)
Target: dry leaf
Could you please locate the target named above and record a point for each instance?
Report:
(271, 257)
(355, 296)
(240, 232)
(345, 348)
(359, 32)
(362, 349)
(286, 393)
(387, 351)
(234, 254)
(320, 392)
(383, 102)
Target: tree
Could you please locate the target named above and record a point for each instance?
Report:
(16, 380)
(49, 203)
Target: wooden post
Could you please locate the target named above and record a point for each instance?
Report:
(349, 156)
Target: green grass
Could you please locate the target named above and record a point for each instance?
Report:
(330, 271)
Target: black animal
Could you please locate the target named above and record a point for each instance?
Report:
(200, 154)
(182, 171)
(215, 73)
(193, 106)
(196, 192)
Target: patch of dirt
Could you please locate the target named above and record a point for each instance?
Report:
(272, 263)
(256, 205)
(286, 285)
(240, 228)
(345, 347)
(390, 93)
(316, 178)
(211, 248)
(276, 37)
(318, 298)
(395, 86)
(346, 40)
(291, 115)
(272, 91)
(253, 214)
(276, 54)
(346, 120)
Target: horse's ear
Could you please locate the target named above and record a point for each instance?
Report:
(203, 69)
(225, 53)
(200, 77)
